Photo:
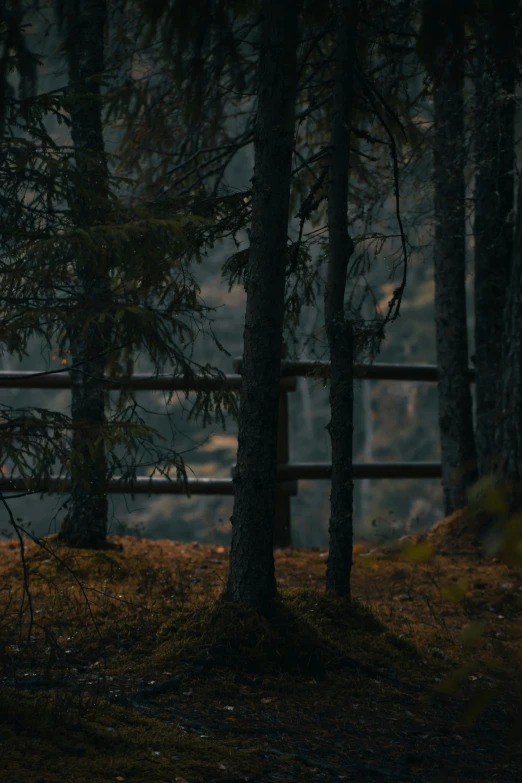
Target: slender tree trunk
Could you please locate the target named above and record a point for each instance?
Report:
(251, 577)
(367, 451)
(86, 521)
(508, 442)
(339, 329)
(455, 406)
(494, 206)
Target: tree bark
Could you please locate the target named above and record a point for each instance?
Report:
(367, 450)
(86, 522)
(339, 329)
(251, 577)
(494, 206)
(507, 463)
(455, 406)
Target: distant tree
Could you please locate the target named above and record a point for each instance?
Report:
(15, 57)
(183, 102)
(161, 99)
(441, 48)
(251, 576)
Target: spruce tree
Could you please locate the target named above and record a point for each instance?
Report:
(93, 274)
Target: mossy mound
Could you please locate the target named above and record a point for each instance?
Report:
(310, 633)
(349, 628)
(233, 636)
(53, 559)
(463, 532)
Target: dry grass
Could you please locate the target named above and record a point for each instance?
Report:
(430, 618)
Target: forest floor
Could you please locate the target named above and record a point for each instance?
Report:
(151, 680)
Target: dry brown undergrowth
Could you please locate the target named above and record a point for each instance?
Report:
(430, 616)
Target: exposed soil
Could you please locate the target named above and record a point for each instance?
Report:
(417, 680)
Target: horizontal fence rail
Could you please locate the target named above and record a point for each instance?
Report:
(288, 474)
(361, 470)
(138, 382)
(142, 486)
(289, 370)
(379, 371)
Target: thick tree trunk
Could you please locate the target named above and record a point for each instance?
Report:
(251, 576)
(339, 329)
(455, 406)
(86, 521)
(494, 206)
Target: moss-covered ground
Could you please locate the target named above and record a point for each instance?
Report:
(136, 671)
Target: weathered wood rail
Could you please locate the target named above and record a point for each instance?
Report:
(288, 474)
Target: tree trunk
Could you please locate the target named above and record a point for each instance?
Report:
(251, 577)
(339, 329)
(86, 521)
(455, 406)
(494, 205)
(367, 414)
(508, 442)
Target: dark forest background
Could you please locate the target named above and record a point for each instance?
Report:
(393, 420)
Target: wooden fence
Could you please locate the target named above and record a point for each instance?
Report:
(288, 474)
